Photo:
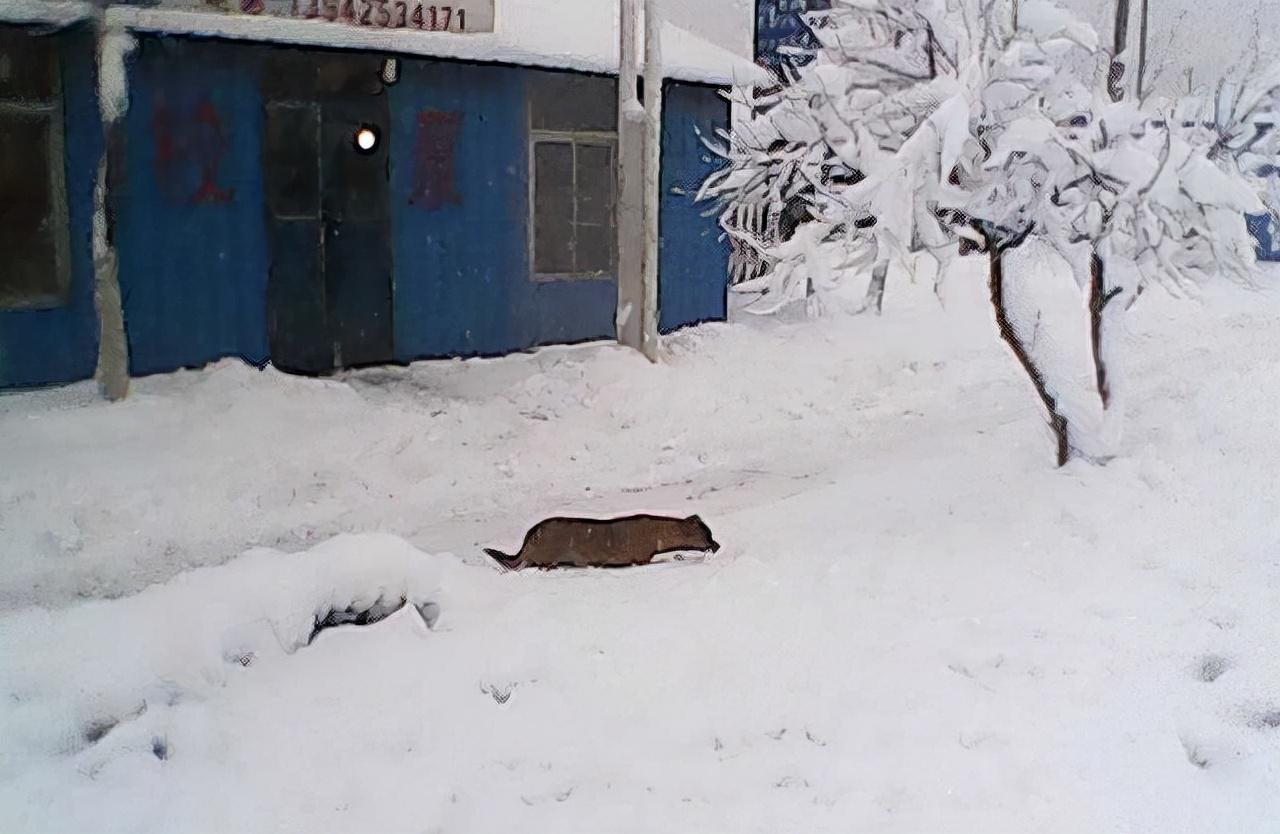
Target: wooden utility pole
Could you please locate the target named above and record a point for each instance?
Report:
(652, 158)
(1120, 39)
(629, 213)
(113, 350)
(1142, 51)
(1121, 81)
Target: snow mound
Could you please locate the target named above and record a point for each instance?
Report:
(75, 675)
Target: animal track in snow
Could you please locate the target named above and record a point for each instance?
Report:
(500, 693)
(1268, 720)
(1211, 667)
(1194, 754)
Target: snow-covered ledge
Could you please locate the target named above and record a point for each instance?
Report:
(57, 12)
(589, 48)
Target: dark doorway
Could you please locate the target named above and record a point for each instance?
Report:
(328, 211)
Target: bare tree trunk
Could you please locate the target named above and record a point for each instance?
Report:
(875, 290)
(933, 60)
(1057, 421)
(1099, 298)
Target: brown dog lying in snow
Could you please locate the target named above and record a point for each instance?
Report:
(606, 543)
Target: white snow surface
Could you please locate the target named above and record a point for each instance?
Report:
(55, 12)
(915, 623)
(571, 34)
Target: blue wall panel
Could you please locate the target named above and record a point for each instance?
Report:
(1261, 226)
(780, 26)
(192, 239)
(45, 347)
(460, 220)
(191, 234)
(694, 262)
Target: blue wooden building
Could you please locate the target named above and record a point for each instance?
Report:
(50, 144)
(320, 207)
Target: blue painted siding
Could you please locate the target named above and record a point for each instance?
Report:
(191, 231)
(779, 26)
(693, 262)
(192, 237)
(462, 271)
(1260, 226)
(59, 345)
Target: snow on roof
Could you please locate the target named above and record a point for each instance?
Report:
(56, 12)
(571, 34)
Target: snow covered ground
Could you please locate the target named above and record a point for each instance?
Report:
(916, 623)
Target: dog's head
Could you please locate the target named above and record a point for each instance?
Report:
(702, 534)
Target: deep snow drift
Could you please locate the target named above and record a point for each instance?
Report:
(915, 622)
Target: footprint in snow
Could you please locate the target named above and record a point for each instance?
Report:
(1211, 667)
(1195, 755)
(500, 693)
(1268, 720)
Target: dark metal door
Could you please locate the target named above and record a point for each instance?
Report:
(328, 200)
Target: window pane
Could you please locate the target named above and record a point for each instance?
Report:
(595, 184)
(553, 208)
(28, 66)
(28, 225)
(565, 101)
(595, 227)
(292, 170)
(595, 249)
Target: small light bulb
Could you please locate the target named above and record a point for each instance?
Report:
(390, 71)
(366, 139)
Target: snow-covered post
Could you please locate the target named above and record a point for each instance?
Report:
(652, 156)
(113, 45)
(629, 213)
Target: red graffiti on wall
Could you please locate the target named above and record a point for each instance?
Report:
(189, 150)
(435, 152)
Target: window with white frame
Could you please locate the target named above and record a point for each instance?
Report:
(573, 143)
(34, 268)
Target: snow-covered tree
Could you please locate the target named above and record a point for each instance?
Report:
(1147, 207)
(885, 140)
(989, 121)
(853, 144)
(880, 72)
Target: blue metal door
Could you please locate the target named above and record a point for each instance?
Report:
(693, 259)
(330, 291)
